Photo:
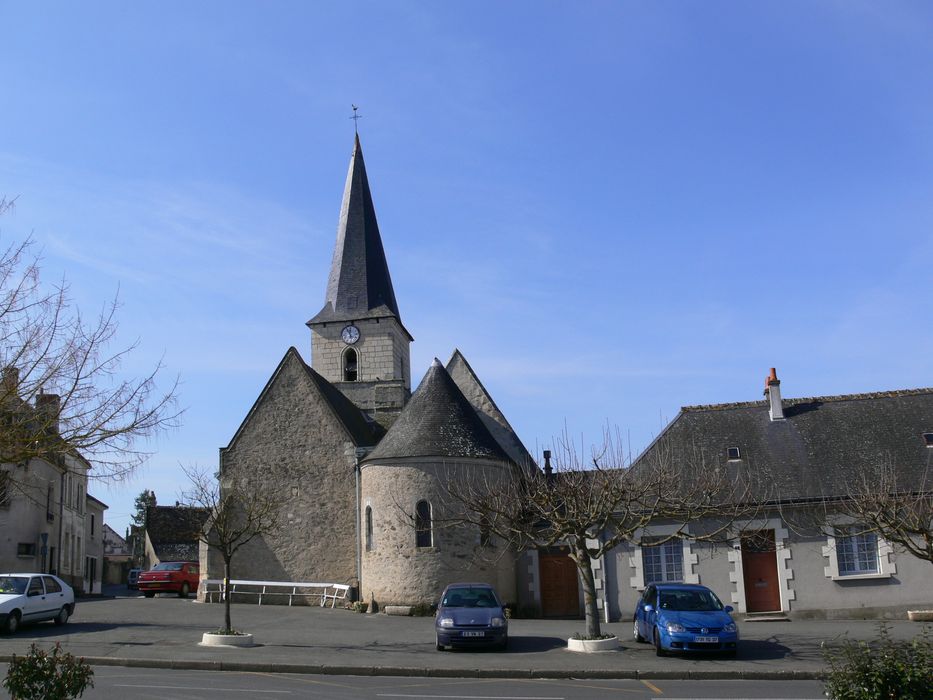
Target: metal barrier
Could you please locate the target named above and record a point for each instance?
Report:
(323, 592)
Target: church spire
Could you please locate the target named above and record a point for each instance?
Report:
(359, 285)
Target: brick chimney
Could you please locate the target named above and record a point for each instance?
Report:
(773, 394)
(49, 406)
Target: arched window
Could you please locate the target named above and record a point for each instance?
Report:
(350, 363)
(369, 528)
(423, 535)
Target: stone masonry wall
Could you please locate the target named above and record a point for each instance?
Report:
(383, 350)
(294, 448)
(394, 570)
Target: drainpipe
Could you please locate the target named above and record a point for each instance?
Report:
(61, 518)
(360, 453)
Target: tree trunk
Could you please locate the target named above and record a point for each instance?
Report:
(228, 628)
(585, 567)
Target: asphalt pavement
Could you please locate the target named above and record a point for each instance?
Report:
(165, 631)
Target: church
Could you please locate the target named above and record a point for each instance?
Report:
(355, 459)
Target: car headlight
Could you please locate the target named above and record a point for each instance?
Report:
(446, 622)
(496, 622)
(730, 627)
(675, 627)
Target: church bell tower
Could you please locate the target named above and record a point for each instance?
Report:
(358, 342)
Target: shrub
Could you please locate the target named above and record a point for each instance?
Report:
(882, 669)
(47, 676)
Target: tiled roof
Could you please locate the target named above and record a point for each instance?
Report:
(438, 421)
(170, 526)
(359, 285)
(817, 449)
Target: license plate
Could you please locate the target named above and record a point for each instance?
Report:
(708, 640)
(474, 634)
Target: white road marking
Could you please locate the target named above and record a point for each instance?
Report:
(191, 687)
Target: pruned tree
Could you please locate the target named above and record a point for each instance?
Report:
(238, 513)
(62, 389)
(594, 505)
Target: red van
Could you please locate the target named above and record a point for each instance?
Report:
(170, 576)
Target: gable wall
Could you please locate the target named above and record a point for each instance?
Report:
(295, 450)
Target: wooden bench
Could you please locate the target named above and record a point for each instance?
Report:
(320, 592)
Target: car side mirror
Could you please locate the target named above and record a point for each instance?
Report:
(648, 608)
(728, 608)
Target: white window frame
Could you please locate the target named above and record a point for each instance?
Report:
(886, 566)
(637, 561)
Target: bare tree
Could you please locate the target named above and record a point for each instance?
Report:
(62, 389)
(238, 513)
(594, 505)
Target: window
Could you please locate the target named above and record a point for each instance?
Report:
(369, 528)
(35, 586)
(733, 453)
(4, 488)
(350, 362)
(51, 585)
(92, 524)
(49, 515)
(663, 562)
(423, 524)
(26, 549)
(928, 439)
(856, 553)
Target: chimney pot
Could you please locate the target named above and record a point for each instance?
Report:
(773, 394)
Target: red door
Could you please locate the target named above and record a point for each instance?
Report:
(559, 591)
(759, 567)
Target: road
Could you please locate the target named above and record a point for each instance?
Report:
(114, 683)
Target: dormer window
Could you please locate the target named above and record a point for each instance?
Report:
(928, 439)
(733, 454)
(350, 364)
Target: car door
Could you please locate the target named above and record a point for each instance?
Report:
(34, 606)
(641, 615)
(55, 595)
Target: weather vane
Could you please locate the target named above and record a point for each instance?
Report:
(356, 118)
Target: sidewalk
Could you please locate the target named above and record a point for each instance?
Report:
(164, 632)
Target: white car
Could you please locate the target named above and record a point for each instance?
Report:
(34, 597)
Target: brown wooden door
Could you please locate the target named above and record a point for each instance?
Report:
(559, 591)
(759, 567)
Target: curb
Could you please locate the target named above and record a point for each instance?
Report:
(421, 672)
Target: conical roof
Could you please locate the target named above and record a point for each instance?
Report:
(359, 285)
(438, 421)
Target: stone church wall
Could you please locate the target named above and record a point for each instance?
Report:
(394, 570)
(295, 450)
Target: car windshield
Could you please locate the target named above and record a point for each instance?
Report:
(168, 566)
(701, 601)
(470, 598)
(13, 584)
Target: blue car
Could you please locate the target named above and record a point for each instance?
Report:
(470, 614)
(685, 617)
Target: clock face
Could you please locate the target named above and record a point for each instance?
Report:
(350, 334)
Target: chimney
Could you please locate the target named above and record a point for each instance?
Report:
(773, 392)
(49, 406)
(9, 384)
(548, 471)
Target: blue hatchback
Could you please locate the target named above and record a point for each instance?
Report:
(684, 617)
(470, 614)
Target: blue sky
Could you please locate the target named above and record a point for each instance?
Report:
(612, 208)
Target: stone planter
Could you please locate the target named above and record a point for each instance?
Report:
(920, 615)
(209, 639)
(591, 645)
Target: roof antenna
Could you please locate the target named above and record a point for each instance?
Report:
(356, 118)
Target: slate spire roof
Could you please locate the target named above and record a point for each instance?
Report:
(359, 285)
(438, 421)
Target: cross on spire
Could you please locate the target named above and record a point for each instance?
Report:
(356, 118)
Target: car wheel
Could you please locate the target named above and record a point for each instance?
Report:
(636, 634)
(149, 594)
(12, 623)
(658, 649)
(62, 616)
(438, 645)
(183, 593)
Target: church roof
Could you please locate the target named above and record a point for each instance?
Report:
(822, 444)
(474, 391)
(359, 285)
(438, 421)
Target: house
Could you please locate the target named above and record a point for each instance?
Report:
(94, 545)
(117, 556)
(172, 534)
(43, 499)
(799, 556)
